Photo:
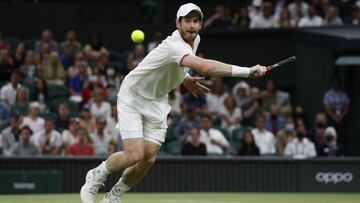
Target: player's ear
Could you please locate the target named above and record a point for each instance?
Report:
(177, 22)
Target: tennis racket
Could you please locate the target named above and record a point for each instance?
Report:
(278, 64)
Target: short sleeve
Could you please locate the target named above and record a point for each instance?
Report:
(178, 51)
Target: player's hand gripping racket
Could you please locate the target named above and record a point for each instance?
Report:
(278, 64)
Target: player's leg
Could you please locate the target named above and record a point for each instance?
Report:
(95, 178)
(154, 134)
(132, 134)
(134, 174)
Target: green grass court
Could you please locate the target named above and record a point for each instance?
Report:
(196, 198)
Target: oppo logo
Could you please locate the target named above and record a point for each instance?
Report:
(334, 177)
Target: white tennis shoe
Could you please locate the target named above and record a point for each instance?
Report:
(93, 182)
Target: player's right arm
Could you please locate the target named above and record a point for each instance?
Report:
(219, 69)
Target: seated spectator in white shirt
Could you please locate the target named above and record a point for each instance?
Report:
(216, 98)
(25, 147)
(100, 107)
(332, 17)
(33, 120)
(300, 147)
(298, 9)
(264, 139)
(10, 135)
(311, 20)
(231, 114)
(49, 140)
(8, 91)
(102, 141)
(214, 140)
(69, 135)
(266, 20)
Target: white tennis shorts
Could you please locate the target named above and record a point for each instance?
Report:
(139, 117)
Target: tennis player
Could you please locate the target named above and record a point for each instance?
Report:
(143, 104)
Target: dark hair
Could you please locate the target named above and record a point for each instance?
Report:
(27, 128)
(206, 116)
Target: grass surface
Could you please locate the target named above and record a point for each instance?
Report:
(196, 198)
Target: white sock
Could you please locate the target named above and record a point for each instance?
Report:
(104, 171)
(120, 187)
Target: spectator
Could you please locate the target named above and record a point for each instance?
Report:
(29, 68)
(298, 10)
(354, 19)
(41, 93)
(332, 18)
(213, 139)
(80, 79)
(70, 40)
(216, 97)
(63, 117)
(255, 9)
(135, 57)
(49, 140)
(111, 123)
(102, 141)
(248, 146)
(6, 65)
(241, 19)
(3, 44)
(199, 103)
(285, 20)
(4, 114)
(102, 65)
(191, 119)
(43, 57)
(53, 71)
(330, 147)
(100, 107)
(19, 55)
(220, 19)
(336, 103)
(21, 105)
(10, 135)
(231, 114)
(252, 109)
(94, 48)
(82, 146)
(317, 133)
(33, 120)
(193, 146)
(46, 38)
(86, 120)
(8, 91)
(311, 20)
(299, 113)
(300, 147)
(264, 139)
(68, 56)
(285, 135)
(25, 147)
(69, 136)
(266, 20)
(158, 38)
(280, 6)
(273, 96)
(273, 121)
(241, 93)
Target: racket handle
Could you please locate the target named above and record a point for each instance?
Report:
(257, 72)
(269, 68)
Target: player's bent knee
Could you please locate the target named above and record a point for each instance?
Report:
(150, 159)
(134, 156)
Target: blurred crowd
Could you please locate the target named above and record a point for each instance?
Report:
(284, 14)
(59, 98)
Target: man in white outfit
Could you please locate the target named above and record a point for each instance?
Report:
(143, 104)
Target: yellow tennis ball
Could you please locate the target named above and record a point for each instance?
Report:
(137, 36)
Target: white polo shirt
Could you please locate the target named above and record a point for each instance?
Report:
(160, 71)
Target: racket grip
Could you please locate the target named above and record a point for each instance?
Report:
(269, 68)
